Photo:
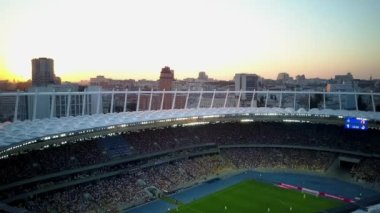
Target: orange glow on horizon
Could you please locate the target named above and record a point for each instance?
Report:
(135, 39)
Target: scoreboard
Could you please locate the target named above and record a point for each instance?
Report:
(355, 123)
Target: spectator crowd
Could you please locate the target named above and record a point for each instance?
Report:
(74, 155)
(129, 188)
(113, 194)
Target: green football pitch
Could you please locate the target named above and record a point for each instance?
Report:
(253, 196)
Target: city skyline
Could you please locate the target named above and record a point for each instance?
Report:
(134, 40)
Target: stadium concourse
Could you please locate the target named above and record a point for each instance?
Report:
(119, 172)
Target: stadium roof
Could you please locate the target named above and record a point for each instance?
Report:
(20, 131)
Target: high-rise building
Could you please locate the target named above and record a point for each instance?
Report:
(166, 82)
(166, 79)
(202, 76)
(283, 76)
(43, 72)
(247, 82)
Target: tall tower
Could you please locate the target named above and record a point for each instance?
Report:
(166, 79)
(166, 82)
(42, 72)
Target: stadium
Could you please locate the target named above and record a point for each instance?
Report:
(202, 151)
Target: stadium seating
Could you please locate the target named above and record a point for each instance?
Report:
(116, 170)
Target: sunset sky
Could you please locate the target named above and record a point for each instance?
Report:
(135, 39)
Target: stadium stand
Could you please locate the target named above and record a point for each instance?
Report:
(113, 173)
(114, 146)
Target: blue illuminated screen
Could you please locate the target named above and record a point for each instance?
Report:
(355, 123)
